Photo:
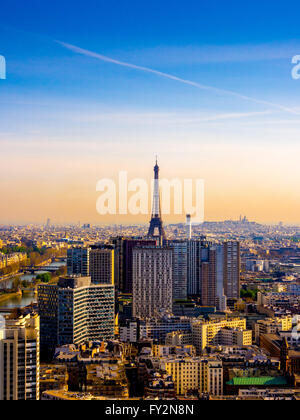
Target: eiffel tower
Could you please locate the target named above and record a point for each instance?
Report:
(156, 220)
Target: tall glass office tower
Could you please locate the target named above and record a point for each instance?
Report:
(75, 311)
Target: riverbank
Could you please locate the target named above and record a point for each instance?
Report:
(28, 284)
(22, 270)
(7, 296)
(10, 276)
(14, 300)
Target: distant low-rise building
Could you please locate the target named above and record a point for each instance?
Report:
(107, 379)
(53, 377)
(179, 338)
(271, 326)
(169, 350)
(209, 333)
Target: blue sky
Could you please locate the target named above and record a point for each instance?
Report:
(247, 49)
(58, 102)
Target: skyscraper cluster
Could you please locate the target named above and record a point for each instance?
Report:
(158, 272)
(198, 268)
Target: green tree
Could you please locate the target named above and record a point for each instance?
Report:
(249, 293)
(44, 278)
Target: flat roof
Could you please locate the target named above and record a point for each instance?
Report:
(259, 381)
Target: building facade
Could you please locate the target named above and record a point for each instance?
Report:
(192, 375)
(78, 261)
(179, 269)
(20, 358)
(272, 326)
(210, 333)
(124, 260)
(75, 311)
(208, 280)
(155, 329)
(102, 264)
(232, 264)
(152, 282)
(195, 249)
(213, 272)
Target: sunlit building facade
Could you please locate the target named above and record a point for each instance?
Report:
(20, 358)
(75, 311)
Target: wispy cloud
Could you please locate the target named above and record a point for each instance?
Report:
(197, 85)
(164, 118)
(208, 54)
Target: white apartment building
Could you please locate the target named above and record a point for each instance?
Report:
(20, 358)
(210, 333)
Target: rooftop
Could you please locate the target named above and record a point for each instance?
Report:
(259, 381)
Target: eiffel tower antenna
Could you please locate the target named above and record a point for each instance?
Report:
(156, 220)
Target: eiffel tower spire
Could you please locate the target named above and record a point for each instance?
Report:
(156, 220)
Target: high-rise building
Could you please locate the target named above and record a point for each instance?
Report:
(208, 279)
(196, 252)
(221, 300)
(20, 357)
(232, 269)
(152, 282)
(124, 260)
(220, 274)
(117, 242)
(97, 262)
(102, 264)
(78, 261)
(213, 272)
(75, 311)
(179, 269)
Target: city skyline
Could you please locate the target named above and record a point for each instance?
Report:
(217, 104)
(149, 211)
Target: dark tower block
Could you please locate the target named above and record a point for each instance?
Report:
(284, 355)
(156, 228)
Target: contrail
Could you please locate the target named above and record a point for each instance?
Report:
(175, 78)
